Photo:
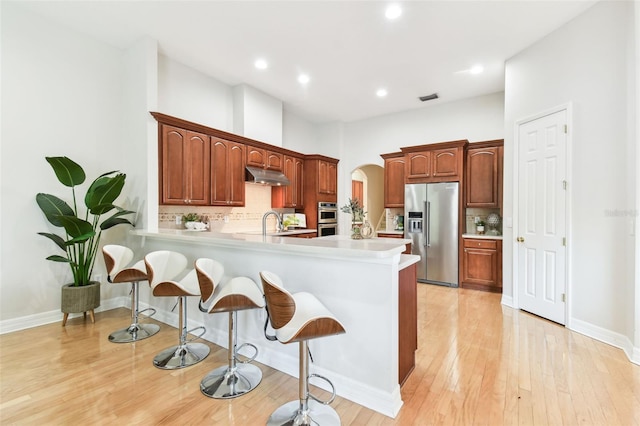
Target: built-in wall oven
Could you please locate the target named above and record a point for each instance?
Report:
(327, 219)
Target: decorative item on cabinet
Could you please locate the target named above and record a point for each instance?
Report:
(439, 162)
(394, 169)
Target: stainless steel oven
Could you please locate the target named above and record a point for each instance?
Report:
(327, 219)
(326, 229)
(327, 213)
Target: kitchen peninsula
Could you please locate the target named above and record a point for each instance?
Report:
(368, 284)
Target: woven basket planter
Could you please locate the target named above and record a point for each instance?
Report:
(80, 299)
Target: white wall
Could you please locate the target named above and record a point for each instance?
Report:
(61, 95)
(586, 63)
(188, 94)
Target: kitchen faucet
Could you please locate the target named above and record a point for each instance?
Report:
(264, 221)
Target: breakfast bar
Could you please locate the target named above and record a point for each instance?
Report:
(360, 281)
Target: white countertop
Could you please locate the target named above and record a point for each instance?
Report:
(332, 246)
(482, 237)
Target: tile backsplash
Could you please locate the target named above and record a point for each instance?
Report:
(472, 213)
(228, 219)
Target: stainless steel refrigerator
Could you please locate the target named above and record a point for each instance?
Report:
(431, 223)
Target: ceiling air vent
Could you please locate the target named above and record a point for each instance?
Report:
(428, 97)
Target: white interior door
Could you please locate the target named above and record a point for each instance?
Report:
(541, 234)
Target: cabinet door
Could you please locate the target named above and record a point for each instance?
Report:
(445, 162)
(185, 167)
(227, 177)
(327, 178)
(264, 159)
(236, 174)
(275, 161)
(298, 178)
(394, 182)
(290, 196)
(481, 264)
(256, 157)
(418, 166)
(482, 177)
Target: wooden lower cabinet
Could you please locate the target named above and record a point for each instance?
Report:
(407, 321)
(482, 264)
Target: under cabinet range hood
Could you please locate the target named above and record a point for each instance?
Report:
(266, 177)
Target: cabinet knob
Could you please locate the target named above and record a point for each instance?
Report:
(520, 239)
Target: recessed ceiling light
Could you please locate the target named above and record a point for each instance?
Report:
(381, 93)
(261, 64)
(476, 69)
(303, 79)
(393, 11)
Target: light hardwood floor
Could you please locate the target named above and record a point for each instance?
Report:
(478, 363)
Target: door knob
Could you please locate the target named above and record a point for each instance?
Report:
(520, 239)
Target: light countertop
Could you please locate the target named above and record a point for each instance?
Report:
(482, 237)
(330, 246)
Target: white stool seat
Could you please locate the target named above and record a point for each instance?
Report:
(308, 309)
(117, 259)
(297, 318)
(221, 294)
(163, 269)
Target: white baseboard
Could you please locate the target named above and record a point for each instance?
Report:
(36, 320)
(607, 336)
(507, 301)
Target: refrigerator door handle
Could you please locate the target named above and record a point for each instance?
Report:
(428, 219)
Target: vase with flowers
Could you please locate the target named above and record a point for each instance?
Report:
(357, 213)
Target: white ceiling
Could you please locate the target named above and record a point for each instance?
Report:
(348, 48)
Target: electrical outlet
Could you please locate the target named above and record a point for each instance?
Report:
(178, 220)
(226, 219)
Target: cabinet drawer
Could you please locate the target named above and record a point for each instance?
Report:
(482, 244)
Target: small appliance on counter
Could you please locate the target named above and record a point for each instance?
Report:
(294, 220)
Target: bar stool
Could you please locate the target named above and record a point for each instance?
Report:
(116, 259)
(297, 318)
(218, 295)
(162, 268)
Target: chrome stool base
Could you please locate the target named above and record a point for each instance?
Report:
(181, 356)
(292, 413)
(223, 383)
(134, 333)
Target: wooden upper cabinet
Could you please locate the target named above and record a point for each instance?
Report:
(483, 176)
(290, 196)
(185, 166)
(394, 169)
(227, 175)
(439, 162)
(446, 162)
(265, 159)
(327, 177)
(418, 165)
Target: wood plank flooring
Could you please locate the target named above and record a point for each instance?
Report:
(478, 363)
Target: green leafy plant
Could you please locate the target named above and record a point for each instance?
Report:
(190, 217)
(354, 208)
(82, 229)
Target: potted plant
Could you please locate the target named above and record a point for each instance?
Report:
(357, 213)
(480, 227)
(82, 229)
